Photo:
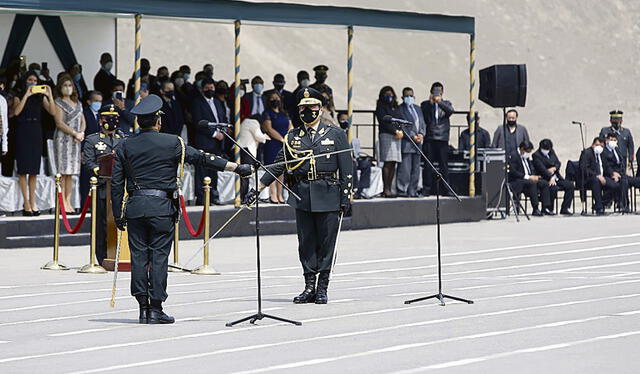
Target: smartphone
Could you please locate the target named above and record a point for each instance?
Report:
(41, 88)
(118, 95)
(45, 65)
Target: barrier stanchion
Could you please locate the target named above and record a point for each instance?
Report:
(54, 264)
(206, 269)
(176, 240)
(92, 267)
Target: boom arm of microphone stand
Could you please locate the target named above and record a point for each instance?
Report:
(255, 160)
(431, 165)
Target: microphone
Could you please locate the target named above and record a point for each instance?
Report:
(204, 122)
(389, 119)
(576, 123)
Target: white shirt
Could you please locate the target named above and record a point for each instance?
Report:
(212, 105)
(599, 161)
(315, 129)
(527, 170)
(614, 153)
(4, 120)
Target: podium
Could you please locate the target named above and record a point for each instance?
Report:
(105, 163)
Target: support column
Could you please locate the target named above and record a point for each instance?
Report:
(472, 117)
(236, 105)
(136, 77)
(350, 79)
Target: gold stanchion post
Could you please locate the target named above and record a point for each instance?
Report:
(176, 240)
(205, 269)
(92, 267)
(54, 264)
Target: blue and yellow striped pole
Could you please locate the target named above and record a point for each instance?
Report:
(472, 117)
(236, 149)
(136, 76)
(350, 79)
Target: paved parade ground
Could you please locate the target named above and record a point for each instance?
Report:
(553, 295)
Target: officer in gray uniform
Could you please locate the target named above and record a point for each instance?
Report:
(625, 139)
(146, 165)
(324, 185)
(95, 145)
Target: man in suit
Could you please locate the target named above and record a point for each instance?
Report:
(483, 139)
(205, 106)
(288, 100)
(172, 115)
(623, 135)
(104, 79)
(516, 134)
(408, 173)
(612, 156)
(547, 164)
(149, 162)
(254, 101)
(91, 111)
(436, 112)
(523, 178)
(598, 175)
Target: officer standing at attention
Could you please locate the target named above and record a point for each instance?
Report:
(625, 139)
(146, 164)
(324, 185)
(320, 84)
(95, 145)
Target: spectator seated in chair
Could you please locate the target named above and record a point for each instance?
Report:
(522, 178)
(547, 164)
(613, 157)
(598, 176)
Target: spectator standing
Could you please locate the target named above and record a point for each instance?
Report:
(68, 137)
(436, 112)
(4, 120)
(483, 139)
(516, 133)
(409, 169)
(124, 106)
(91, 111)
(255, 102)
(288, 99)
(363, 164)
(28, 137)
(172, 120)
(78, 82)
(276, 124)
(321, 79)
(145, 68)
(390, 137)
(623, 135)
(249, 138)
(327, 115)
(104, 79)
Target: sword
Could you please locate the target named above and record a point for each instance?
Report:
(335, 247)
(112, 303)
(308, 158)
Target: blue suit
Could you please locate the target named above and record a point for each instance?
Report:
(408, 174)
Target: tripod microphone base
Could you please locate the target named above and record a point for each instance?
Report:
(205, 270)
(441, 297)
(259, 316)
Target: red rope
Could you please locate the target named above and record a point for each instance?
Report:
(85, 208)
(187, 222)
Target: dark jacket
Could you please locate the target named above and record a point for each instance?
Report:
(411, 130)
(483, 139)
(200, 110)
(385, 109)
(516, 168)
(619, 165)
(589, 165)
(172, 117)
(322, 194)
(437, 129)
(150, 160)
(625, 140)
(498, 136)
(104, 82)
(288, 100)
(91, 120)
(94, 146)
(542, 163)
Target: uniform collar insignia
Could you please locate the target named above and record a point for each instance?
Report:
(102, 135)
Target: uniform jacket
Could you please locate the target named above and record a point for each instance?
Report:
(625, 140)
(407, 146)
(437, 129)
(150, 160)
(323, 194)
(94, 146)
(542, 163)
(200, 110)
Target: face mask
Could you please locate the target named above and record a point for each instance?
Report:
(179, 82)
(257, 88)
(278, 86)
(168, 94)
(37, 72)
(29, 84)
(241, 93)
(209, 94)
(96, 105)
(344, 125)
(408, 100)
(545, 152)
(526, 155)
(107, 66)
(616, 125)
(199, 83)
(308, 116)
(598, 149)
(321, 78)
(612, 144)
(186, 76)
(305, 83)
(511, 123)
(67, 91)
(274, 103)
(110, 123)
(388, 98)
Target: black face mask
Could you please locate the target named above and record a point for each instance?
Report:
(344, 125)
(321, 78)
(169, 94)
(308, 116)
(511, 123)
(110, 123)
(278, 86)
(274, 103)
(209, 94)
(616, 125)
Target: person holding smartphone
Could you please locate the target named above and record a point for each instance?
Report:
(27, 107)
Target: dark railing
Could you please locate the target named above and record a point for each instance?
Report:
(367, 129)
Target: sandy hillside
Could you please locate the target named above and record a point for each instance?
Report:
(581, 57)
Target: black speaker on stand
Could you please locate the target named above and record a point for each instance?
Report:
(505, 86)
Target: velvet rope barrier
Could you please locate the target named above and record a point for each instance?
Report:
(187, 222)
(85, 208)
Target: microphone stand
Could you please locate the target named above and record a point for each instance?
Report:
(259, 315)
(440, 296)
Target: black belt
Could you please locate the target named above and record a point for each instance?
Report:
(319, 175)
(149, 192)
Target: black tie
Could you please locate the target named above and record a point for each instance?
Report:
(312, 132)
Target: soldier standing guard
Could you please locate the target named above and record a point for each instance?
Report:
(95, 145)
(146, 165)
(625, 139)
(324, 185)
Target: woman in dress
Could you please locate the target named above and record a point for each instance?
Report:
(27, 109)
(276, 125)
(390, 137)
(68, 137)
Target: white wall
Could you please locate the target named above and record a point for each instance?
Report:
(89, 37)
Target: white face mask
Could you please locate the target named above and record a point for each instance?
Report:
(67, 91)
(526, 155)
(545, 152)
(612, 144)
(598, 149)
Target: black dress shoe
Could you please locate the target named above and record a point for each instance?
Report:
(548, 212)
(27, 213)
(158, 317)
(537, 213)
(566, 212)
(309, 293)
(36, 213)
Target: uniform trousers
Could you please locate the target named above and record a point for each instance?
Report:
(150, 240)
(101, 225)
(317, 232)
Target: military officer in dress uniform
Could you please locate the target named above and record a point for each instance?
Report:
(324, 185)
(625, 139)
(96, 145)
(320, 84)
(146, 165)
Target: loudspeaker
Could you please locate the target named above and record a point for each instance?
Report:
(504, 86)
